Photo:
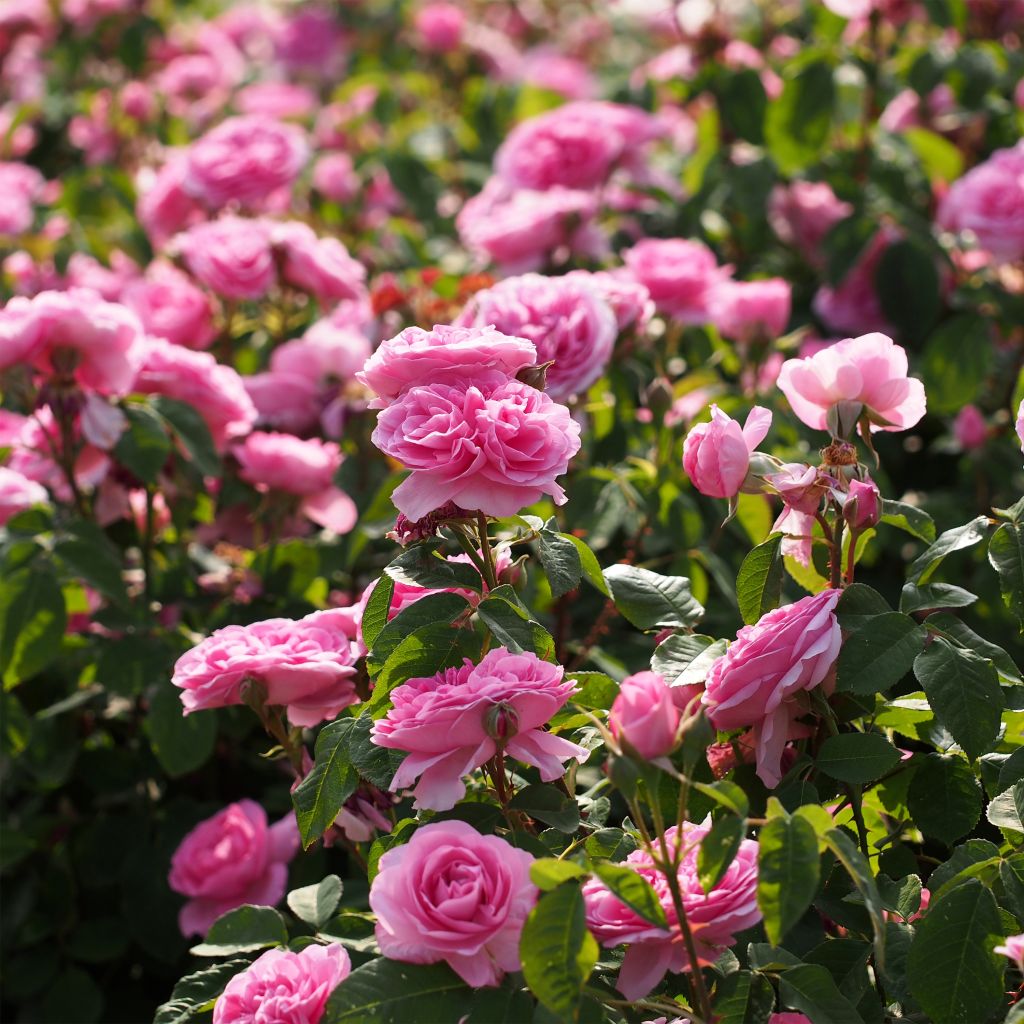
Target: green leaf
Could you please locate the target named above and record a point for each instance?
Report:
(717, 850)
(321, 794)
(1007, 809)
(548, 873)
(374, 763)
(759, 581)
(192, 432)
(87, 552)
(1006, 553)
(513, 628)
(910, 519)
(879, 654)
(811, 990)
(944, 798)
(32, 622)
(726, 794)
(550, 805)
(509, 1004)
(634, 890)
(561, 562)
(243, 930)
(433, 608)
(798, 123)
(742, 103)
(196, 990)
(557, 951)
(950, 626)
(610, 844)
(858, 605)
(589, 563)
(652, 601)
(934, 595)
(788, 870)
(744, 998)
(685, 658)
(182, 743)
(951, 969)
(859, 870)
(145, 446)
(315, 904)
(908, 287)
(941, 160)
(390, 992)
(421, 566)
(957, 359)
(957, 539)
(964, 693)
(375, 615)
(857, 757)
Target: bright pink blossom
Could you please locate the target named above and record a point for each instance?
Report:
(803, 213)
(440, 26)
(716, 455)
(231, 256)
(321, 266)
(645, 715)
(748, 311)
(1013, 949)
(334, 176)
(164, 207)
(970, 428)
(170, 306)
(680, 275)
(863, 505)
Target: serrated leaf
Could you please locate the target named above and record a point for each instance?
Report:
(1006, 810)
(944, 798)
(145, 445)
(879, 654)
(423, 567)
(632, 889)
(390, 992)
(441, 608)
(378, 608)
(315, 904)
(652, 601)
(561, 562)
(934, 595)
(1006, 554)
(548, 873)
(321, 794)
(717, 850)
(550, 805)
(513, 628)
(243, 930)
(859, 870)
(957, 539)
(810, 989)
(857, 757)
(788, 870)
(909, 518)
(32, 622)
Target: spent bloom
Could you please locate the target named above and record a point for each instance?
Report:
(644, 714)
(716, 455)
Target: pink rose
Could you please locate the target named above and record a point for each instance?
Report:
(18, 493)
(136, 101)
(714, 917)
(170, 306)
(451, 723)
(244, 160)
(870, 370)
(644, 715)
(566, 318)
(545, 67)
(629, 299)
(110, 282)
(282, 987)
(970, 429)
(750, 311)
(853, 306)
(276, 99)
(327, 353)
(716, 455)
(334, 176)
(284, 401)
(757, 682)
(863, 505)
(311, 39)
(229, 860)
(20, 185)
(803, 213)
(321, 266)
(164, 207)
(453, 895)
(439, 27)
(1013, 949)
(789, 1018)
(680, 275)
(214, 390)
(231, 256)
(495, 446)
(305, 665)
(1020, 423)
(800, 486)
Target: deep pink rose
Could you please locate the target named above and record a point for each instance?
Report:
(231, 859)
(757, 682)
(244, 160)
(18, 493)
(714, 918)
(680, 275)
(970, 428)
(231, 256)
(450, 723)
(566, 318)
(453, 895)
(863, 505)
(803, 213)
(716, 455)
(494, 446)
(305, 665)
(282, 987)
(439, 27)
(789, 1018)
(310, 38)
(321, 266)
(871, 370)
(109, 281)
(645, 715)
(170, 306)
(545, 67)
(749, 311)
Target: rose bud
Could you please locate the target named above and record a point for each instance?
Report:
(863, 506)
(644, 715)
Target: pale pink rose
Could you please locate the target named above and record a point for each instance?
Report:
(970, 428)
(494, 447)
(644, 715)
(195, 86)
(111, 282)
(759, 680)
(443, 355)
(18, 493)
(334, 176)
(321, 266)
(137, 101)
(451, 723)
(284, 401)
(170, 306)
(988, 203)
(677, 62)
(1020, 423)
(1013, 949)
(439, 27)
(803, 213)
(101, 422)
(566, 318)
(164, 207)
(853, 306)
(453, 895)
(282, 987)
(231, 256)
(244, 160)
(716, 455)
(749, 311)
(73, 334)
(629, 299)
(800, 486)
(327, 353)
(680, 275)
(305, 665)
(276, 99)
(20, 186)
(863, 505)
(214, 390)
(229, 860)
(870, 370)
(714, 917)
(547, 68)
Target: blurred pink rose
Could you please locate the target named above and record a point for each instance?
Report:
(789, 1018)
(749, 311)
(321, 266)
(439, 27)
(716, 455)
(86, 272)
(680, 275)
(310, 38)
(547, 68)
(803, 213)
(451, 723)
(870, 370)
(164, 207)
(18, 493)
(645, 715)
(970, 428)
(1013, 949)
(334, 176)
(566, 318)
(282, 987)
(421, 920)
(231, 859)
(136, 101)
(629, 299)
(853, 306)
(231, 256)
(276, 99)
(20, 186)
(327, 352)
(170, 306)
(284, 401)
(714, 917)
(1020, 423)
(757, 682)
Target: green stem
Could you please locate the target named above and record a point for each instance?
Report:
(147, 549)
(490, 569)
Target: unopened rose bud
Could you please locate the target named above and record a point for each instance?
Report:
(501, 722)
(644, 715)
(659, 397)
(863, 506)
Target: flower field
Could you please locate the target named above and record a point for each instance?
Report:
(512, 512)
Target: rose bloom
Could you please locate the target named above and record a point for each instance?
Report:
(334, 176)
(852, 306)
(749, 311)
(1013, 948)
(327, 353)
(970, 429)
(20, 185)
(714, 917)
(170, 306)
(1020, 423)
(716, 455)
(789, 1018)
(110, 282)
(870, 369)
(803, 213)
(244, 160)
(276, 99)
(629, 299)
(567, 320)
(214, 390)
(284, 401)
(450, 723)
(801, 488)
(231, 256)
(757, 682)
(645, 715)
(229, 860)
(680, 275)
(73, 333)
(494, 447)
(863, 505)
(305, 665)
(18, 493)
(439, 27)
(453, 895)
(164, 207)
(321, 266)
(282, 987)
